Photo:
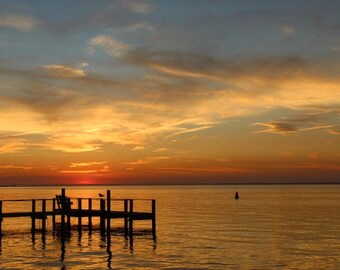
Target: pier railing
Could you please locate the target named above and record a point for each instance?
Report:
(62, 208)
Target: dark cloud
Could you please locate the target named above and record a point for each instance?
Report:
(207, 67)
(47, 100)
(300, 123)
(277, 127)
(283, 127)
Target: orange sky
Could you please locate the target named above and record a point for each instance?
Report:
(152, 92)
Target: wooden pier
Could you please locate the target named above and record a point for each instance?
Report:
(62, 208)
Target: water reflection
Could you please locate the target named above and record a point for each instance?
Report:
(69, 243)
(43, 241)
(108, 251)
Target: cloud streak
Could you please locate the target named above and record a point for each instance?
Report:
(298, 123)
(61, 71)
(111, 46)
(138, 6)
(18, 22)
(15, 167)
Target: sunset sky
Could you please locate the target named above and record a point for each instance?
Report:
(169, 91)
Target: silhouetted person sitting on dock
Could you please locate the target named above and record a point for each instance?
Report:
(64, 203)
(236, 196)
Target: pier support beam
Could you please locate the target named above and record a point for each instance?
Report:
(154, 218)
(108, 211)
(33, 217)
(126, 224)
(131, 218)
(0, 218)
(68, 218)
(53, 214)
(79, 214)
(63, 216)
(90, 216)
(43, 216)
(102, 216)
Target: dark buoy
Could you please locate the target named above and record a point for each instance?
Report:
(236, 196)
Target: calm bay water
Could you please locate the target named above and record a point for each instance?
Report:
(198, 227)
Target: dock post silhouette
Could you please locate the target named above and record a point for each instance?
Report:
(79, 216)
(131, 218)
(63, 214)
(0, 218)
(126, 225)
(102, 216)
(108, 210)
(33, 217)
(53, 215)
(43, 216)
(90, 215)
(154, 218)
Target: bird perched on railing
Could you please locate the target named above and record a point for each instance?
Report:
(101, 195)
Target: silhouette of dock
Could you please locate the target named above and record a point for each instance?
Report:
(62, 208)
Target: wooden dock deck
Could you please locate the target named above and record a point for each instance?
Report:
(61, 207)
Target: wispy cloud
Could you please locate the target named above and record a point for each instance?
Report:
(317, 120)
(334, 132)
(276, 127)
(15, 167)
(18, 22)
(111, 46)
(161, 149)
(70, 145)
(189, 130)
(146, 160)
(93, 172)
(86, 164)
(313, 155)
(288, 30)
(62, 71)
(137, 148)
(93, 167)
(320, 166)
(138, 6)
(209, 170)
(11, 146)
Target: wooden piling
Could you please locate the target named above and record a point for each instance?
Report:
(154, 218)
(0, 218)
(43, 217)
(68, 203)
(53, 213)
(63, 211)
(33, 217)
(108, 210)
(102, 216)
(79, 216)
(126, 225)
(90, 216)
(131, 218)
